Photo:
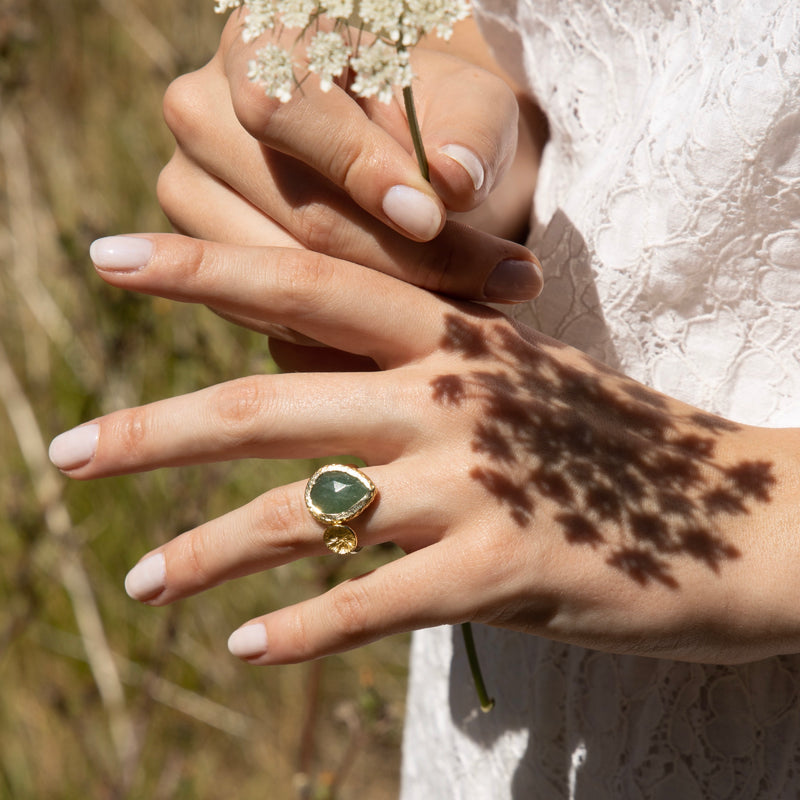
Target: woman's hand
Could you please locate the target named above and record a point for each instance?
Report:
(529, 487)
(338, 176)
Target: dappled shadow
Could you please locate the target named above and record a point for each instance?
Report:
(628, 475)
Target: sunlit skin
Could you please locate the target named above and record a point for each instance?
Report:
(528, 486)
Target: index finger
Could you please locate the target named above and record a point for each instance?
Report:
(330, 132)
(318, 296)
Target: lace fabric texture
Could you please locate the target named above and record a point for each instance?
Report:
(667, 218)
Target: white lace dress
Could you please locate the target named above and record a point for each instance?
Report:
(668, 221)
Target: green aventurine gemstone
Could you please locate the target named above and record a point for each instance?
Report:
(339, 493)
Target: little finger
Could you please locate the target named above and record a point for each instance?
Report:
(419, 590)
(274, 529)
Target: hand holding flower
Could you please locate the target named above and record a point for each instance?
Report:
(323, 167)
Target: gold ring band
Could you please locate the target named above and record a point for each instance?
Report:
(336, 494)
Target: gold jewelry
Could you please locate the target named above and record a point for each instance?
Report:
(336, 494)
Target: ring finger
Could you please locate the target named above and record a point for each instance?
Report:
(274, 529)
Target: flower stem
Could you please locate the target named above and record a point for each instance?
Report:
(416, 134)
(487, 703)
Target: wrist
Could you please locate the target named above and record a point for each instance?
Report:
(755, 614)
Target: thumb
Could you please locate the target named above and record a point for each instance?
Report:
(469, 120)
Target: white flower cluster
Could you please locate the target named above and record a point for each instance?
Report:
(379, 67)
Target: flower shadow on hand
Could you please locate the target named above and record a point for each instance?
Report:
(639, 486)
(607, 451)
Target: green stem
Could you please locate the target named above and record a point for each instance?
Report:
(416, 134)
(487, 703)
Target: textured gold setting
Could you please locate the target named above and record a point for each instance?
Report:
(336, 494)
(340, 539)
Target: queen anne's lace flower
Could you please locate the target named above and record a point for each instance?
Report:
(261, 17)
(298, 14)
(339, 9)
(382, 17)
(221, 6)
(328, 56)
(379, 68)
(272, 68)
(427, 16)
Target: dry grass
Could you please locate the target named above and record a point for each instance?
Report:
(102, 697)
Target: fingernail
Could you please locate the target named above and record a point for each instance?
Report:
(468, 160)
(123, 253)
(412, 211)
(249, 641)
(513, 281)
(148, 578)
(74, 448)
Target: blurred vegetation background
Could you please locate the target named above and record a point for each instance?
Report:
(102, 697)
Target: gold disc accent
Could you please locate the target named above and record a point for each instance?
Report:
(341, 539)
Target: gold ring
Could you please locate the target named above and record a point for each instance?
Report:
(336, 494)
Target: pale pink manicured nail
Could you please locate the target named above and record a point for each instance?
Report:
(74, 448)
(148, 578)
(249, 641)
(412, 211)
(466, 159)
(123, 253)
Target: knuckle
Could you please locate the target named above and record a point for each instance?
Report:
(131, 430)
(313, 226)
(277, 511)
(343, 162)
(303, 283)
(185, 106)
(193, 554)
(190, 260)
(349, 610)
(297, 635)
(441, 269)
(168, 192)
(241, 406)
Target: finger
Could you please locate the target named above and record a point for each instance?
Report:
(264, 416)
(271, 530)
(317, 296)
(330, 133)
(419, 590)
(222, 216)
(461, 261)
(469, 122)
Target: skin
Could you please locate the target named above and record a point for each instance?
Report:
(273, 172)
(560, 498)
